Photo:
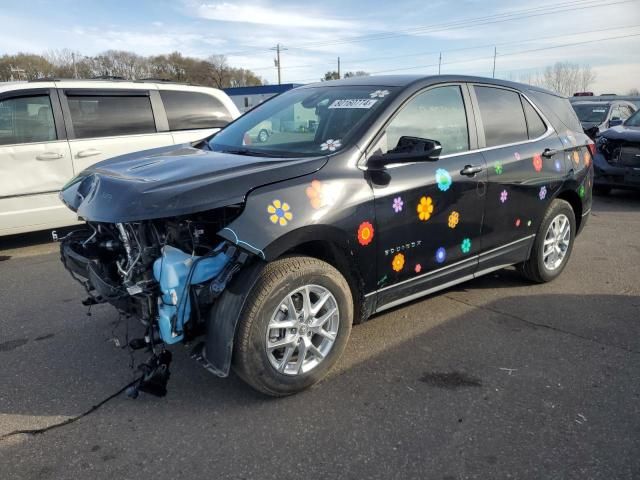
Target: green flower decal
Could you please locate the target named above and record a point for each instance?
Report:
(465, 246)
(498, 168)
(581, 191)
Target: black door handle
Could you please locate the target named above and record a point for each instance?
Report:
(471, 170)
(548, 153)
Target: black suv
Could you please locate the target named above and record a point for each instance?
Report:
(368, 193)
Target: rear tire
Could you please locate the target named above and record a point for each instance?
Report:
(281, 311)
(553, 244)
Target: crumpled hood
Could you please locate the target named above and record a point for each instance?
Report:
(172, 181)
(620, 132)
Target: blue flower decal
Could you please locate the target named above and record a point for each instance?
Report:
(443, 178)
(441, 255)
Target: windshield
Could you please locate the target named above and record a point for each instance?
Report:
(304, 122)
(633, 120)
(591, 113)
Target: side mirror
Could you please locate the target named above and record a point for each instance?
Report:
(408, 150)
(615, 121)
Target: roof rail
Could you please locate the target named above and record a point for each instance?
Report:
(106, 77)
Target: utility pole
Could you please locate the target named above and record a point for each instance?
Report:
(338, 68)
(75, 69)
(495, 52)
(439, 62)
(278, 49)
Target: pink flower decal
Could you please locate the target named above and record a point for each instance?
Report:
(331, 145)
(517, 222)
(537, 162)
(397, 204)
(418, 268)
(504, 195)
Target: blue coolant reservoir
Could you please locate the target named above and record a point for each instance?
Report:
(172, 271)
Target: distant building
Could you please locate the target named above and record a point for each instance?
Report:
(246, 98)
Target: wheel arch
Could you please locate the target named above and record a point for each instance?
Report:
(572, 197)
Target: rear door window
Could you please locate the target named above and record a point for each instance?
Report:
(535, 124)
(26, 120)
(502, 116)
(193, 110)
(107, 115)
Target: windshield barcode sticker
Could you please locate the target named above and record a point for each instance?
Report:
(354, 103)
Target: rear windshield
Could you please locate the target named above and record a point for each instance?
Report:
(302, 122)
(591, 113)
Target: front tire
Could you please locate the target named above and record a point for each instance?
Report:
(294, 327)
(553, 244)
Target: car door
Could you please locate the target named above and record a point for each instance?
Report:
(428, 213)
(194, 115)
(105, 123)
(35, 161)
(526, 166)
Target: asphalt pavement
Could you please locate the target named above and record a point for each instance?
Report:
(492, 379)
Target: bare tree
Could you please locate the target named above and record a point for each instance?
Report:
(586, 77)
(564, 78)
(219, 70)
(633, 92)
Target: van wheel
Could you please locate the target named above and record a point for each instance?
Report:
(294, 326)
(553, 244)
(263, 136)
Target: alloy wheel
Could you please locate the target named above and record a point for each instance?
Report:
(556, 242)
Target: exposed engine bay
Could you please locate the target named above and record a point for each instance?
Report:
(166, 272)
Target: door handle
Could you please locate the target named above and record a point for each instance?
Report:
(90, 152)
(471, 170)
(548, 153)
(49, 156)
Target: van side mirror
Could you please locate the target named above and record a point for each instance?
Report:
(408, 150)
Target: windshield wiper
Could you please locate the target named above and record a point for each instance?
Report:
(250, 153)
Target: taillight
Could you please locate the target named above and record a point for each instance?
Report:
(592, 147)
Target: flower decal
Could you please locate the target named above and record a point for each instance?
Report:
(529, 223)
(454, 218)
(397, 204)
(365, 233)
(465, 246)
(557, 164)
(537, 162)
(542, 194)
(331, 145)
(441, 255)
(581, 191)
(398, 262)
(444, 179)
(575, 156)
(418, 268)
(314, 193)
(379, 94)
(517, 222)
(586, 158)
(279, 212)
(498, 168)
(425, 208)
(517, 155)
(504, 195)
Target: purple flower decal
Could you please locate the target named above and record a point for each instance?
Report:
(441, 255)
(397, 204)
(516, 155)
(557, 164)
(543, 193)
(504, 195)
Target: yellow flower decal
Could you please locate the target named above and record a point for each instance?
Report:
(398, 262)
(425, 208)
(280, 213)
(454, 218)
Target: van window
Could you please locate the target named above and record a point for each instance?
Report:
(502, 116)
(110, 115)
(193, 110)
(26, 120)
(535, 124)
(437, 114)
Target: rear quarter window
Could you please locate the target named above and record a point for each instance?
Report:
(535, 124)
(194, 110)
(556, 109)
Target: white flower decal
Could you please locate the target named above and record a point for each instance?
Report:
(379, 94)
(331, 145)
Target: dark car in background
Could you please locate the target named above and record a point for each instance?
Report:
(617, 158)
(270, 251)
(597, 116)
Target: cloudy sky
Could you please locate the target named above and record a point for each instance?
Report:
(402, 36)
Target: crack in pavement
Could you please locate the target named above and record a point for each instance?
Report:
(38, 431)
(542, 325)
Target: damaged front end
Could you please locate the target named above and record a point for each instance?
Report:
(166, 272)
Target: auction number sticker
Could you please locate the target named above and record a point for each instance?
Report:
(354, 103)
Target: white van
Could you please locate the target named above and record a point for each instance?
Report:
(51, 130)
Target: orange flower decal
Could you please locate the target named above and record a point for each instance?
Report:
(454, 218)
(365, 233)
(537, 162)
(576, 157)
(314, 192)
(587, 158)
(425, 208)
(398, 262)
